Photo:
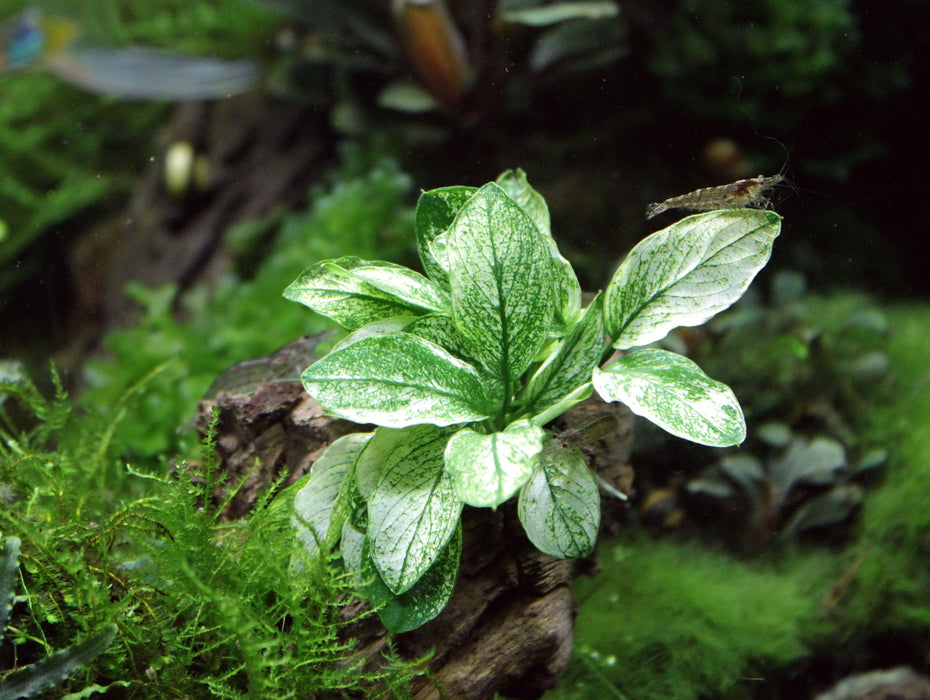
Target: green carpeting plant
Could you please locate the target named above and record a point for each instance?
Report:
(462, 369)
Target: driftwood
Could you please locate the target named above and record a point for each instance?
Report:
(508, 626)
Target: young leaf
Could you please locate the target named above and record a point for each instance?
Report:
(413, 510)
(398, 380)
(436, 211)
(687, 273)
(571, 364)
(354, 292)
(517, 187)
(501, 283)
(568, 289)
(394, 324)
(488, 469)
(318, 517)
(425, 599)
(673, 392)
(560, 507)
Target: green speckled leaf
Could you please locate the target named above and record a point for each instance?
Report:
(398, 380)
(413, 510)
(560, 507)
(500, 273)
(316, 504)
(687, 273)
(436, 211)
(675, 394)
(572, 362)
(488, 469)
(568, 289)
(354, 292)
(518, 188)
(439, 329)
(425, 599)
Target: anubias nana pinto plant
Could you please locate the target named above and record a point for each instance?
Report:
(462, 369)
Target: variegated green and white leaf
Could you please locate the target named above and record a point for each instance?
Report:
(673, 392)
(687, 273)
(436, 210)
(572, 362)
(439, 329)
(518, 188)
(397, 380)
(501, 283)
(568, 289)
(395, 324)
(353, 548)
(317, 516)
(354, 292)
(425, 599)
(488, 469)
(560, 506)
(413, 509)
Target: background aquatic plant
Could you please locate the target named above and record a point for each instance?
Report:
(361, 210)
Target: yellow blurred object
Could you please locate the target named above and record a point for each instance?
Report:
(660, 509)
(434, 47)
(185, 169)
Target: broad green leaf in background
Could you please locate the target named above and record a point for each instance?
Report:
(571, 364)
(560, 507)
(813, 462)
(488, 469)
(398, 380)
(317, 517)
(501, 283)
(542, 15)
(354, 292)
(413, 510)
(687, 273)
(425, 599)
(436, 211)
(674, 393)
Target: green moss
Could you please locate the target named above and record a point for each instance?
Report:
(890, 590)
(202, 608)
(664, 620)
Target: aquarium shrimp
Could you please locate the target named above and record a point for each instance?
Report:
(742, 194)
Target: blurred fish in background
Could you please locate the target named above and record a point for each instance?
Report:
(52, 42)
